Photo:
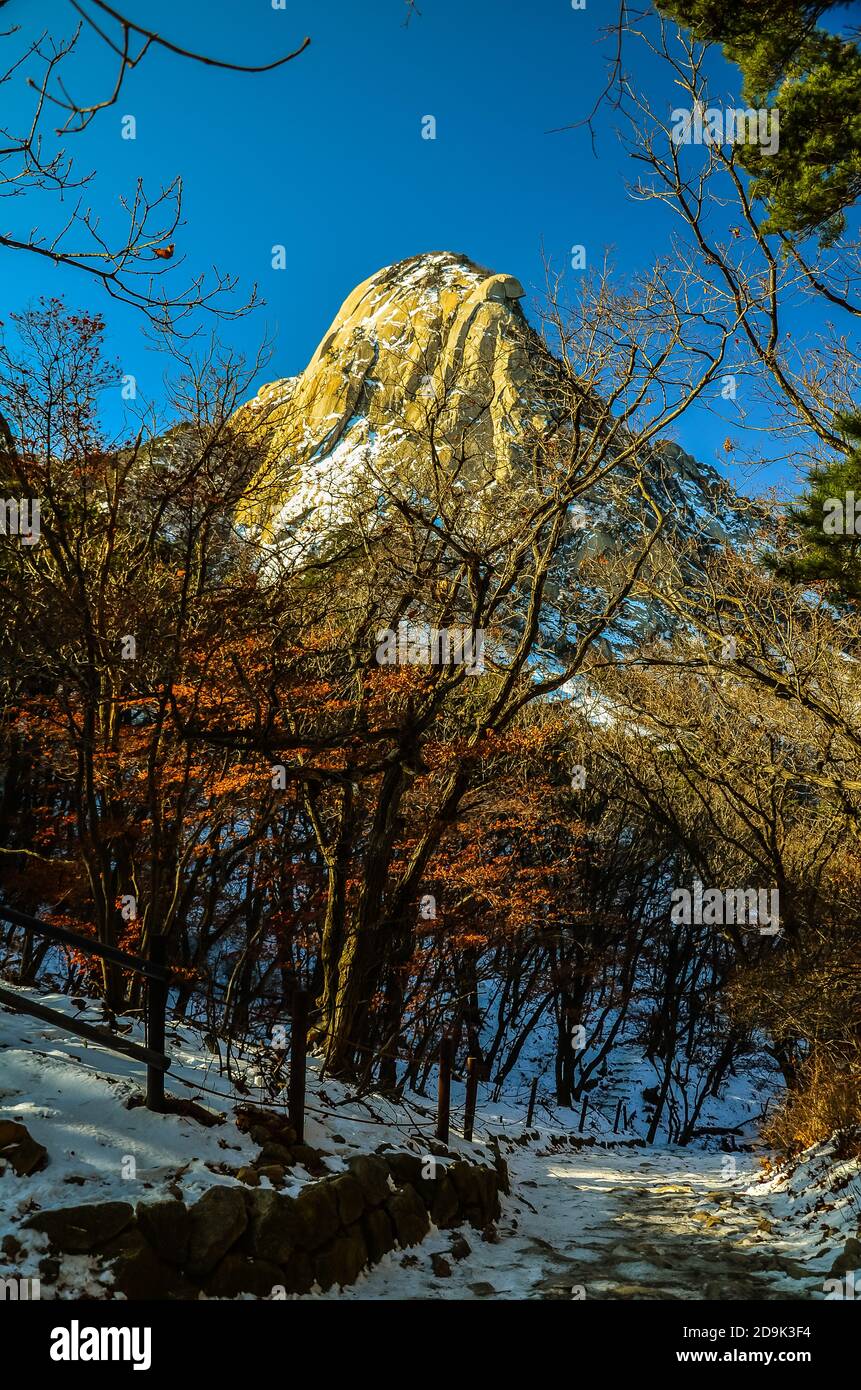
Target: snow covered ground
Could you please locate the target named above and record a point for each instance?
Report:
(626, 1224)
(583, 1220)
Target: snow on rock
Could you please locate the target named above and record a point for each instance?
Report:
(439, 341)
(433, 332)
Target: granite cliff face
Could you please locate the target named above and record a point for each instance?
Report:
(435, 336)
(431, 371)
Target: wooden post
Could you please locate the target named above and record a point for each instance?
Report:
(443, 1112)
(156, 1007)
(298, 1051)
(471, 1096)
(583, 1112)
(532, 1094)
(618, 1113)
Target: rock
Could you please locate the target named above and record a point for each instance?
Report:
(237, 1274)
(558, 1287)
(138, 1273)
(274, 1172)
(441, 1266)
(217, 1220)
(310, 1158)
(460, 1248)
(398, 341)
(11, 1247)
(849, 1260)
(477, 1190)
(276, 1227)
(20, 1150)
(445, 1207)
(409, 1216)
(78, 1230)
(379, 1234)
(343, 1260)
(349, 1198)
(298, 1275)
(372, 1175)
(406, 1168)
(270, 1125)
(222, 1169)
(49, 1269)
(489, 1187)
(248, 1175)
(274, 1153)
(466, 1183)
(502, 1177)
(318, 1215)
(12, 1132)
(166, 1225)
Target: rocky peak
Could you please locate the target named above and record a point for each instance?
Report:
(434, 333)
(432, 362)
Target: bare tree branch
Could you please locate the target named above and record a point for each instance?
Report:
(132, 269)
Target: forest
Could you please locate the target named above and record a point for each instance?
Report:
(443, 689)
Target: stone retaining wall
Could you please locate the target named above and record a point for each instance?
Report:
(256, 1240)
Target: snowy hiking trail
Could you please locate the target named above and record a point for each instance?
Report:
(618, 1224)
(671, 1229)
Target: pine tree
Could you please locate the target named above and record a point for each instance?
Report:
(813, 77)
(823, 523)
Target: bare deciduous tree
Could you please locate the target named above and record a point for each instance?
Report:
(135, 266)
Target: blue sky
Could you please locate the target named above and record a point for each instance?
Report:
(325, 155)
